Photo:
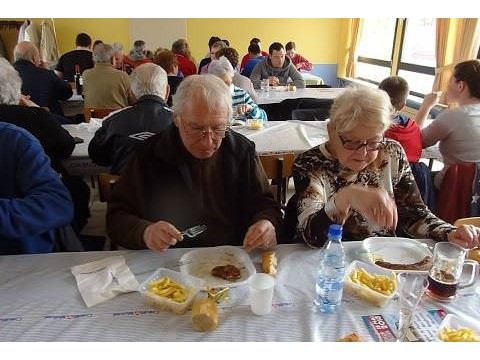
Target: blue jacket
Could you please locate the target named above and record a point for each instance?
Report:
(44, 87)
(33, 200)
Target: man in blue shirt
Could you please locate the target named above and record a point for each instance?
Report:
(33, 200)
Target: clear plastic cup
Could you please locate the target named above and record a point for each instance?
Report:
(261, 293)
(264, 85)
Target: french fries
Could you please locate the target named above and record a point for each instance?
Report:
(380, 283)
(459, 335)
(169, 289)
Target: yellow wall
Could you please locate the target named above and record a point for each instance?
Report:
(316, 39)
(107, 30)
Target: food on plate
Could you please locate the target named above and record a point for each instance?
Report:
(204, 315)
(458, 335)
(474, 254)
(422, 265)
(227, 272)
(169, 289)
(353, 337)
(218, 294)
(380, 283)
(269, 262)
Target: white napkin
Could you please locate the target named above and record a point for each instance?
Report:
(104, 279)
(91, 126)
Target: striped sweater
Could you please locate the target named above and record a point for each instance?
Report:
(240, 96)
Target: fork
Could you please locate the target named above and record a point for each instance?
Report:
(194, 231)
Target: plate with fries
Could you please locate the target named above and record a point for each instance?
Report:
(456, 329)
(200, 262)
(398, 254)
(170, 290)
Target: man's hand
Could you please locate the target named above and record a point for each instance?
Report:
(260, 235)
(273, 80)
(161, 235)
(467, 236)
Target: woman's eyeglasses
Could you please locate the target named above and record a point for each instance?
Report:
(356, 145)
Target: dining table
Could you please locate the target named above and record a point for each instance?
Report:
(40, 301)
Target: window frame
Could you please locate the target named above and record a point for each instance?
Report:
(398, 64)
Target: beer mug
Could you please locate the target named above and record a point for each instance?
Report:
(447, 270)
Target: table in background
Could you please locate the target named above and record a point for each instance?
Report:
(311, 79)
(276, 96)
(40, 302)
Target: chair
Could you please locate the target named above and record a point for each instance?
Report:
(106, 182)
(278, 168)
(95, 113)
(455, 195)
(468, 221)
(310, 114)
(423, 178)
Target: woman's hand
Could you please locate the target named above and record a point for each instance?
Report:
(467, 236)
(374, 204)
(161, 235)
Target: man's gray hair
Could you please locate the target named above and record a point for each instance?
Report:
(103, 53)
(10, 84)
(221, 67)
(208, 88)
(24, 50)
(148, 79)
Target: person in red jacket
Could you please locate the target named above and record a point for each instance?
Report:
(186, 63)
(403, 129)
(300, 62)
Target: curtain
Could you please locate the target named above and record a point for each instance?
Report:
(467, 46)
(354, 39)
(442, 70)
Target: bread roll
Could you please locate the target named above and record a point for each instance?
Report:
(474, 254)
(204, 315)
(353, 337)
(269, 262)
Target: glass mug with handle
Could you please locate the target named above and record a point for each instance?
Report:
(447, 270)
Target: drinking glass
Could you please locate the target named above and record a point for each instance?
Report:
(265, 86)
(261, 293)
(411, 287)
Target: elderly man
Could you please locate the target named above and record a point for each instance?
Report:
(277, 68)
(195, 172)
(81, 56)
(104, 86)
(124, 130)
(42, 85)
(33, 201)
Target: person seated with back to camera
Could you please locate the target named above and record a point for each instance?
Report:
(195, 172)
(363, 181)
(127, 128)
(277, 68)
(407, 132)
(214, 49)
(33, 200)
(458, 129)
(242, 102)
(168, 61)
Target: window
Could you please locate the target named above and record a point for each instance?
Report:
(404, 47)
(376, 49)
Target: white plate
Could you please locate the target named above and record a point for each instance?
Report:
(454, 322)
(396, 250)
(200, 262)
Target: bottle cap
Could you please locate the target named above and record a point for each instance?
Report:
(335, 231)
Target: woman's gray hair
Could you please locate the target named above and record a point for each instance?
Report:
(103, 53)
(10, 84)
(221, 67)
(208, 88)
(148, 79)
(361, 106)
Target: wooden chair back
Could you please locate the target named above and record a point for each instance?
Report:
(106, 182)
(278, 168)
(97, 113)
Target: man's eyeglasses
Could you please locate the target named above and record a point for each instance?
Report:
(356, 145)
(199, 133)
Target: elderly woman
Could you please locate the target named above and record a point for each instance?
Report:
(242, 103)
(213, 51)
(168, 61)
(458, 130)
(363, 181)
(186, 63)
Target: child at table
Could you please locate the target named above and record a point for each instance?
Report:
(407, 132)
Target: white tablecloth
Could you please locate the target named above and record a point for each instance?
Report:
(277, 136)
(39, 301)
(311, 79)
(276, 96)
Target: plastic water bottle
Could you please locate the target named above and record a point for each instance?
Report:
(331, 272)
